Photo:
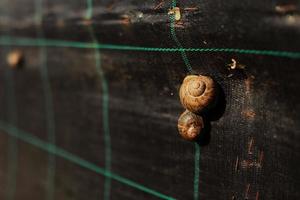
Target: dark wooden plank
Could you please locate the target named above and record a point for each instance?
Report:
(252, 150)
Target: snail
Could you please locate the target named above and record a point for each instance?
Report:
(15, 59)
(190, 125)
(197, 93)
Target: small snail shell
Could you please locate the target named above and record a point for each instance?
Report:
(197, 93)
(190, 125)
(15, 59)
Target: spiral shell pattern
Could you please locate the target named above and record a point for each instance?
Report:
(197, 93)
(190, 125)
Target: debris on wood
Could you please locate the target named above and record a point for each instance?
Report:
(132, 17)
(236, 164)
(159, 5)
(249, 164)
(176, 12)
(236, 65)
(192, 9)
(179, 24)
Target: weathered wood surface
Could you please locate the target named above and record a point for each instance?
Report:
(253, 148)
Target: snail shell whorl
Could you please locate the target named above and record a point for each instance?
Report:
(190, 125)
(197, 93)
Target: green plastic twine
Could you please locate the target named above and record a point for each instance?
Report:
(105, 104)
(48, 98)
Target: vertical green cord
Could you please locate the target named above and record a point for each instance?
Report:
(179, 45)
(197, 171)
(89, 11)
(105, 103)
(48, 102)
(12, 166)
(190, 70)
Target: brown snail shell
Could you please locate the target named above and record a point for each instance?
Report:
(197, 93)
(15, 59)
(190, 125)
